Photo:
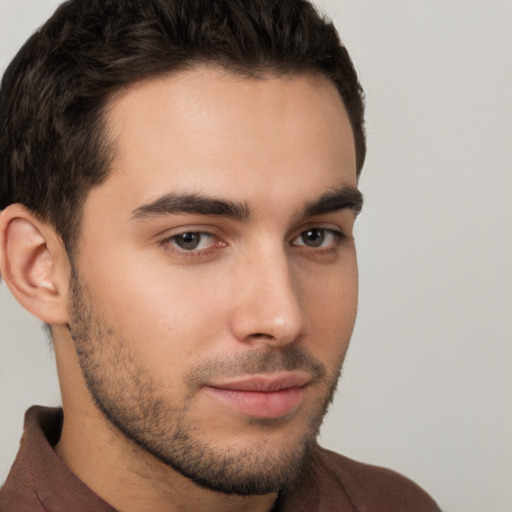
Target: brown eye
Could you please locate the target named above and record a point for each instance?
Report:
(319, 238)
(188, 241)
(192, 240)
(313, 237)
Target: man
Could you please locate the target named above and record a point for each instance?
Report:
(179, 188)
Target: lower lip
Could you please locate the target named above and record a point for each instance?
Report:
(259, 404)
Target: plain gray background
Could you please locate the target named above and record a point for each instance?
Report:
(427, 387)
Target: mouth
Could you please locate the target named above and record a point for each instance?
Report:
(262, 396)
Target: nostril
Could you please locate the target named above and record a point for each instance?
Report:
(261, 335)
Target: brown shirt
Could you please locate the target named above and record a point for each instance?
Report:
(40, 482)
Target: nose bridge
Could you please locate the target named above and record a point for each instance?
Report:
(269, 307)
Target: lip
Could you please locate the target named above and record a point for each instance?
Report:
(262, 396)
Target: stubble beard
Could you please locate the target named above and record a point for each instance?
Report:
(128, 396)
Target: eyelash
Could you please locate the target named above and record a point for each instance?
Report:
(338, 237)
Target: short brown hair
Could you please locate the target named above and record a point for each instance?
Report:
(54, 93)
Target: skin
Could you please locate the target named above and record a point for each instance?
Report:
(151, 326)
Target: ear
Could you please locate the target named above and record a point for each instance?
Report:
(34, 264)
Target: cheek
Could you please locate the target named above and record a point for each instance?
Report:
(331, 304)
(333, 314)
(164, 311)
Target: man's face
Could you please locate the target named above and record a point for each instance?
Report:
(215, 283)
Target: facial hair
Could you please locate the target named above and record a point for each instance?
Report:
(124, 389)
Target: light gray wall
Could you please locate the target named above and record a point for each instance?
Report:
(427, 384)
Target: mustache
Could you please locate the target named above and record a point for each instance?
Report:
(289, 358)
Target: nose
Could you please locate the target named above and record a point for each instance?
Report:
(268, 309)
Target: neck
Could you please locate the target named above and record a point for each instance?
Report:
(131, 480)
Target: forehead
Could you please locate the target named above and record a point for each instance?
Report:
(209, 130)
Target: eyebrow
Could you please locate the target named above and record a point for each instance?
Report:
(192, 203)
(345, 197)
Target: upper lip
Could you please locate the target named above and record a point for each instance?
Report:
(264, 382)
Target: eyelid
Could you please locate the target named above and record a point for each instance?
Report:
(207, 229)
(327, 225)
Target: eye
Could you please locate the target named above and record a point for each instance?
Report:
(318, 237)
(192, 241)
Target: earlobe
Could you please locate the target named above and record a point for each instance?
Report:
(34, 264)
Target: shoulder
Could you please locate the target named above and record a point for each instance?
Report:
(369, 488)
